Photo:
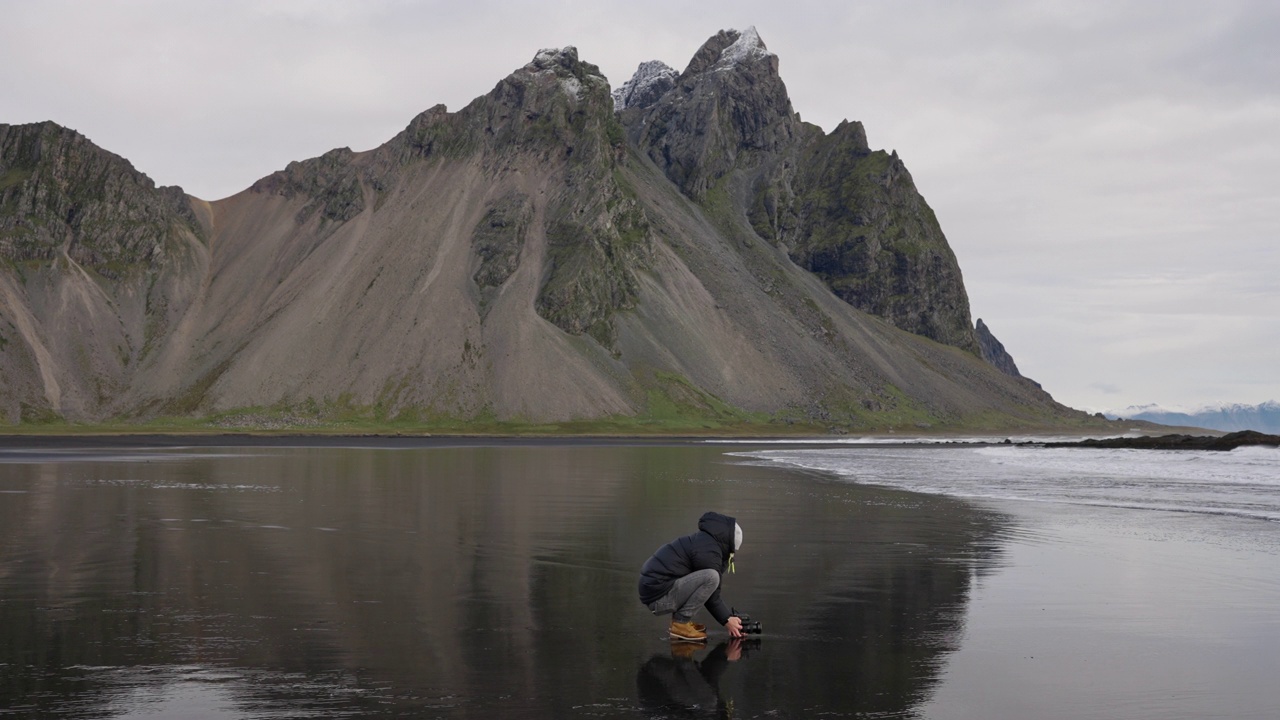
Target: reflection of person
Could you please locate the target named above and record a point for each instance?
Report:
(685, 574)
(680, 686)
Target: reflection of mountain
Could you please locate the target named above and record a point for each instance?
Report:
(477, 581)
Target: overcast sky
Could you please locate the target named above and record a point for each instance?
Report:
(1108, 173)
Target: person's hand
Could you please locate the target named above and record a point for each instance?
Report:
(734, 650)
(735, 626)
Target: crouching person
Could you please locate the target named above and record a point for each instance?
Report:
(685, 574)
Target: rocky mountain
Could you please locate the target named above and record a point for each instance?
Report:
(1263, 418)
(699, 253)
(726, 134)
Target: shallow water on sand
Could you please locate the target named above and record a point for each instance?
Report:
(474, 581)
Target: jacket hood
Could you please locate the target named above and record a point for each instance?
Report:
(719, 527)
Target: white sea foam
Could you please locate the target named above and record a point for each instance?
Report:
(1243, 483)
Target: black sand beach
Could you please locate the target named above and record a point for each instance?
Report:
(472, 579)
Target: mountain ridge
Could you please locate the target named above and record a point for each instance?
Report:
(524, 259)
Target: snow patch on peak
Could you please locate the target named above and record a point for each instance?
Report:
(553, 56)
(651, 80)
(552, 59)
(571, 87)
(747, 47)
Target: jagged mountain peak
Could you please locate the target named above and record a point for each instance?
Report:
(564, 64)
(652, 80)
(548, 57)
(552, 68)
(746, 48)
(556, 106)
(731, 50)
(556, 102)
(729, 108)
(848, 214)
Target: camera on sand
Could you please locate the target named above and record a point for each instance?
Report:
(749, 626)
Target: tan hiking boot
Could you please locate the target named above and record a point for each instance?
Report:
(684, 650)
(686, 631)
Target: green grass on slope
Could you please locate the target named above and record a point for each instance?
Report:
(670, 414)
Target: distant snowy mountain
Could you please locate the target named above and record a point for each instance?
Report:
(1228, 418)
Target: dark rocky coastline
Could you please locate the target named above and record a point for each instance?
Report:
(1178, 442)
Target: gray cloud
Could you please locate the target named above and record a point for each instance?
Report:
(1108, 173)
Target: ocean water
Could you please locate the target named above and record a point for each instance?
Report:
(1242, 483)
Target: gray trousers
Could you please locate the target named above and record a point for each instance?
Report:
(687, 595)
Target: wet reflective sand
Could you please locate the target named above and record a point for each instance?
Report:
(457, 582)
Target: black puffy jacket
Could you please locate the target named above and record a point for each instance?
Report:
(710, 547)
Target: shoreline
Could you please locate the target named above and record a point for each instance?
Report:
(393, 441)
(627, 428)
(295, 438)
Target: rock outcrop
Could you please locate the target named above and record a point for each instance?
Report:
(700, 254)
(62, 196)
(1231, 441)
(330, 185)
(993, 352)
